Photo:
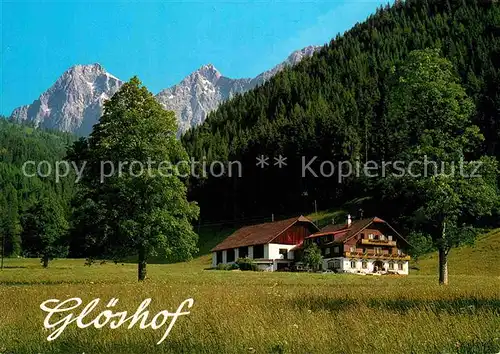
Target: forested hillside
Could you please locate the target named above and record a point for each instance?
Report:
(334, 106)
(18, 144)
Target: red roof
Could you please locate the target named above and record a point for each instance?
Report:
(258, 234)
(342, 232)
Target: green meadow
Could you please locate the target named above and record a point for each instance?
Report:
(257, 312)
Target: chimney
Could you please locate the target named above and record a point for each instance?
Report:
(349, 220)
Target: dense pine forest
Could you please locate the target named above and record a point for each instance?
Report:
(334, 105)
(18, 144)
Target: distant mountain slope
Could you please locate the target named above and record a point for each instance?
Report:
(74, 103)
(481, 259)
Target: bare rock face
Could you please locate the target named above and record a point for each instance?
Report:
(205, 89)
(292, 60)
(198, 94)
(74, 103)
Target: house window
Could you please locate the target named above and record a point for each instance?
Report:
(327, 251)
(230, 255)
(400, 266)
(362, 235)
(353, 264)
(353, 249)
(336, 264)
(378, 250)
(382, 237)
(336, 249)
(370, 236)
(258, 251)
(283, 253)
(243, 252)
(391, 266)
(400, 252)
(364, 265)
(389, 238)
(219, 257)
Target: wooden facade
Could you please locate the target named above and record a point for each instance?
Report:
(378, 240)
(365, 238)
(295, 234)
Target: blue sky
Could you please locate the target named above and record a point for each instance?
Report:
(161, 42)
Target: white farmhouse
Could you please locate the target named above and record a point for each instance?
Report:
(362, 246)
(271, 245)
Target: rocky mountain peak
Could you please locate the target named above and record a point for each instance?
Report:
(298, 55)
(74, 103)
(209, 72)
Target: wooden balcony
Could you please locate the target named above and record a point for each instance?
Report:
(394, 257)
(366, 241)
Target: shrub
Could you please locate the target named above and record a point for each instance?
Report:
(234, 266)
(223, 266)
(231, 266)
(247, 264)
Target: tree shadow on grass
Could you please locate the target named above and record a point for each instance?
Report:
(37, 282)
(470, 346)
(57, 282)
(477, 346)
(469, 305)
(323, 303)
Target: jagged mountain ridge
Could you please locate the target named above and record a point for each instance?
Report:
(203, 90)
(74, 103)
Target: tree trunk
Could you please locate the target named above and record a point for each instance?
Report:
(141, 266)
(443, 266)
(45, 261)
(443, 258)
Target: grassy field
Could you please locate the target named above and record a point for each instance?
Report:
(246, 312)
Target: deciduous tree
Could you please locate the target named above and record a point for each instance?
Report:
(141, 210)
(450, 189)
(44, 231)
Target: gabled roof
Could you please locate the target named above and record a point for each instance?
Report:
(341, 233)
(259, 234)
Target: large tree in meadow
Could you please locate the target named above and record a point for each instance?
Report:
(130, 203)
(44, 231)
(449, 186)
